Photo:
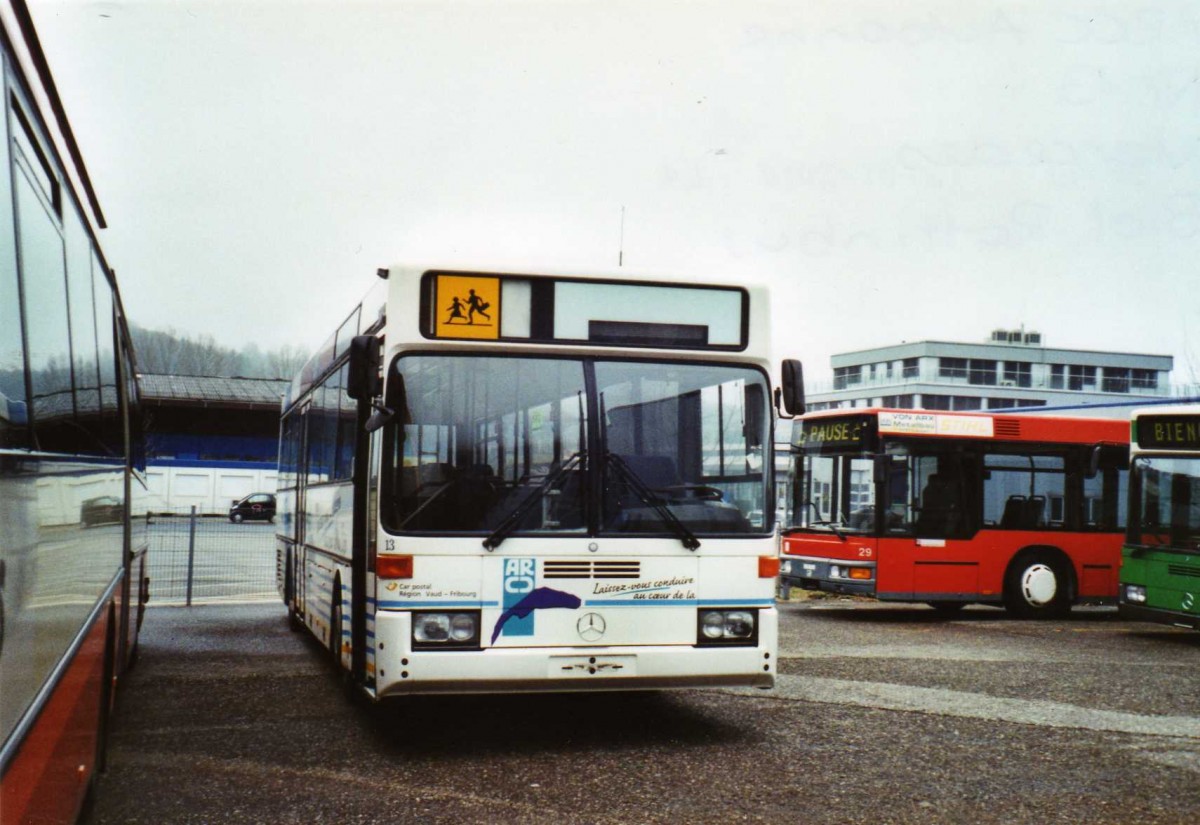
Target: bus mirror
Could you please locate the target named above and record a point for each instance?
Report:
(753, 406)
(1093, 468)
(398, 402)
(362, 382)
(379, 418)
(792, 396)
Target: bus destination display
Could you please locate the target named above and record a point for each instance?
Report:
(1168, 432)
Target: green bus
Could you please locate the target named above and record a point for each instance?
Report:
(1160, 565)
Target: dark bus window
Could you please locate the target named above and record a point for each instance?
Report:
(83, 335)
(322, 434)
(932, 490)
(289, 450)
(133, 401)
(14, 429)
(1024, 491)
(112, 434)
(45, 292)
(1105, 493)
(347, 415)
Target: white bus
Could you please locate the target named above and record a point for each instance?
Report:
(528, 482)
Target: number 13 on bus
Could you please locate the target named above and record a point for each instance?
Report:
(524, 482)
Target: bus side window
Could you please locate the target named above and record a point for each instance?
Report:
(941, 504)
(1104, 493)
(899, 512)
(14, 419)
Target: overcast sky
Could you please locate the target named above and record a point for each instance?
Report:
(929, 170)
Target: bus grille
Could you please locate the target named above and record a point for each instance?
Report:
(589, 569)
(1008, 428)
(1183, 570)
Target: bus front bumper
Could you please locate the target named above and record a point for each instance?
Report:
(1141, 613)
(401, 671)
(828, 575)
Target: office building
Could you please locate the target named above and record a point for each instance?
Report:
(1012, 369)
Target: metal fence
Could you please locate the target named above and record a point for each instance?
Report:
(197, 559)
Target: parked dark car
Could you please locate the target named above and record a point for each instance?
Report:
(259, 506)
(101, 510)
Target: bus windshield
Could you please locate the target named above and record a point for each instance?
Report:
(482, 443)
(1166, 502)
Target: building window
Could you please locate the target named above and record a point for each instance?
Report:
(982, 372)
(846, 376)
(1018, 373)
(1001, 403)
(930, 401)
(1144, 379)
(1116, 379)
(952, 368)
(1072, 377)
(1081, 378)
(898, 402)
(910, 368)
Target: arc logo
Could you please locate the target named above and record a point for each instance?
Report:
(520, 577)
(522, 599)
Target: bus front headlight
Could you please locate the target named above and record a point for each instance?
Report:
(1135, 594)
(445, 630)
(718, 627)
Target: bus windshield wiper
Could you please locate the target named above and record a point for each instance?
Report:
(796, 528)
(832, 526)
(686, 536)
(506, 527)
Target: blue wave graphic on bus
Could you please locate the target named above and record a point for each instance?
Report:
(540, 598)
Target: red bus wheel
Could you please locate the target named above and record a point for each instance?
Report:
(1037, 586)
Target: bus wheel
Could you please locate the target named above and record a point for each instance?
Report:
(1037, 586)
(335, 632)
(343, 675)
(947, 608)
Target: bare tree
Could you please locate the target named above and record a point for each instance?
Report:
(170, 353)
(286, 361)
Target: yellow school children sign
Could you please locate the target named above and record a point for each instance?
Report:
(468, 306)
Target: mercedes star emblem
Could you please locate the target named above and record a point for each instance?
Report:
(590, 626)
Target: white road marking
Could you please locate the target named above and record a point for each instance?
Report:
(884, 696)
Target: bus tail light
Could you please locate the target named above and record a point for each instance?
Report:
(394, 567)
(768, 567)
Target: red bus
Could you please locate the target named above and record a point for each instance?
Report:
(72, 555)
(1027, 512)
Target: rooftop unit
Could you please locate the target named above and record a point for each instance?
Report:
(1016, 336)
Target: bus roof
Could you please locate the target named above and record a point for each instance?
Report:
(1173, 409)
(991, 425)
(510, 266)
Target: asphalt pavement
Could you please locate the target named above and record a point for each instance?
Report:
(881, 714)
